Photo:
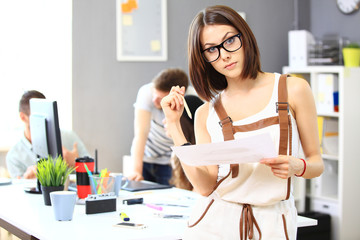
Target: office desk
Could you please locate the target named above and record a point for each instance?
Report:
(26, 216)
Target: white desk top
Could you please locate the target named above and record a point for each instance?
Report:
(28, 213)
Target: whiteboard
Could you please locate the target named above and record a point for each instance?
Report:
(141, 30)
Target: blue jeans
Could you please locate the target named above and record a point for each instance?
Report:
(157, 173)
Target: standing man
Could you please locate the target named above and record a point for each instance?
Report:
(150, 148)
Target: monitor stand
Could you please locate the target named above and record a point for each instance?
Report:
(36, 189)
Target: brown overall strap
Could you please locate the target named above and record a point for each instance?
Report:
(282, 107)
(227, 129)
(247, 222)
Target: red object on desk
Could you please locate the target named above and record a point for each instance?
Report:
(82, 177)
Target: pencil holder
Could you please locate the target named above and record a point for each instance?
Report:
(82, 176)
(101, 185)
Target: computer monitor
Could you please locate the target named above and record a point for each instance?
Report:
(44, 128)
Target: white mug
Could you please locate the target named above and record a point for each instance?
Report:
(63, 203)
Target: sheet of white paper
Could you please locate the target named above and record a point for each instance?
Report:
(244, 150)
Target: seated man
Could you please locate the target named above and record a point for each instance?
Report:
(21, 160)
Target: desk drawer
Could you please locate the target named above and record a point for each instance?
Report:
(331, 208)
(324, 206)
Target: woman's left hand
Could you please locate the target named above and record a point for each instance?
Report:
(284, 166)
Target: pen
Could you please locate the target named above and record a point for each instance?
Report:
(171, 205)
(141, 193)
(96, 162)
(124, 217)
(102, 175)
(175, 216)
(187, 109)
(154, 206)
(90, 176)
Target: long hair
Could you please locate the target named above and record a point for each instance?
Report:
(179, 178)
(205, 79)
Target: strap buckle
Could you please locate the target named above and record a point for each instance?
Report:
(280, 106)
(225, 121)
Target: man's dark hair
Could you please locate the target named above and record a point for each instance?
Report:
(171, 77)
(24, 104)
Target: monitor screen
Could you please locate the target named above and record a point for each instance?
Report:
(44, 128)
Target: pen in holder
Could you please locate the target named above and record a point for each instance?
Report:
(101, 185)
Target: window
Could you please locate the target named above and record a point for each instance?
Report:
(35, 53)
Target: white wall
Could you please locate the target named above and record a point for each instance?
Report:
(35, 53)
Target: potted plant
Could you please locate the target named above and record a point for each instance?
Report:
(52, 174)
(351, 53)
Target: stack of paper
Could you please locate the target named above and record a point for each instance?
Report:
(244, 150)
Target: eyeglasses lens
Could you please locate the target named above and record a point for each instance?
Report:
(231, 45)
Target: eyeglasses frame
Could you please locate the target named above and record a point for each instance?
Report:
(221, 45)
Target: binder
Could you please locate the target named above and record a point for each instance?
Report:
(330, 139)
(327, 86)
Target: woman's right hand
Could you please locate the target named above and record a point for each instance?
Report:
(173, 104)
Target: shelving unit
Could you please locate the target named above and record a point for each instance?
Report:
(337, 190)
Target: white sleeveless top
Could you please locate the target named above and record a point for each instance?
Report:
(253, 173)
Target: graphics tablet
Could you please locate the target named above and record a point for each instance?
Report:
(134, 186)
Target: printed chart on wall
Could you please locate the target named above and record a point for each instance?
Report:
(141, 29)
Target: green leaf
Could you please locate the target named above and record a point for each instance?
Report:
(53, 172)
(352, 45)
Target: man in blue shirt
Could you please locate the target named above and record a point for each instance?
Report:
(21, 160)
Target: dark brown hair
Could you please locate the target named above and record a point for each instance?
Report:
(24, 104)
(205, 79)
(179, 178)
(170, 77)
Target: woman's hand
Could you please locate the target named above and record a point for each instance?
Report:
(173, 104)
(284, 166)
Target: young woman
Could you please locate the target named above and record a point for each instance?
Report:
(249, 200)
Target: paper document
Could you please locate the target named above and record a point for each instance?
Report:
(244, 150)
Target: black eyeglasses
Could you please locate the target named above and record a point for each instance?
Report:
(231, 44)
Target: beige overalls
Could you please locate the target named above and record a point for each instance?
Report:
(249, 202)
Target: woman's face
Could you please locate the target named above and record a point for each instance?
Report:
(230, 64)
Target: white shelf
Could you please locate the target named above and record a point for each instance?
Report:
(329, 198)
(336, 191)
(330, 157)
(334, 114)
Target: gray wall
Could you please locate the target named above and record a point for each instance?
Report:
(105, 89)
(327, 19)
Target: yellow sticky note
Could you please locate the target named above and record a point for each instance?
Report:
(321, 97)
(127, 20)
(155, 45)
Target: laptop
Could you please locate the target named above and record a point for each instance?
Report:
(133, 186)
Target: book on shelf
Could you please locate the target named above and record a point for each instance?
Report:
(320, 121)
(330, 138)
(327, 85)
(323, 61)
